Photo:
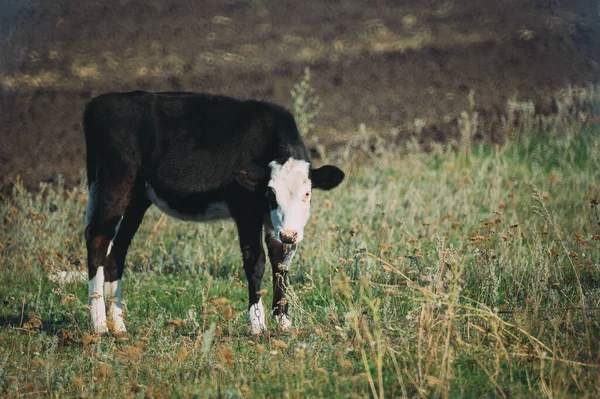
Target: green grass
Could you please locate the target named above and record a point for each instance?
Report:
(471, 273)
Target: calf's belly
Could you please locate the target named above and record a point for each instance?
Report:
(206, 211)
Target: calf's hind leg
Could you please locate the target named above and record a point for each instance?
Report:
(109, 203)
(114, 274)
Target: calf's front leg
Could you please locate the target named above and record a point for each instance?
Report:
(280, 256)
(250, 234)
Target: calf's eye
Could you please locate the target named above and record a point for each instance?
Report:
(307, 196)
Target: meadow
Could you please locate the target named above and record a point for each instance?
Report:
(469, 270)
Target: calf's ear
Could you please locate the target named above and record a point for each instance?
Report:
(252, 176)
(326, 177)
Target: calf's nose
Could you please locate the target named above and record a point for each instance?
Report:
(288, 236)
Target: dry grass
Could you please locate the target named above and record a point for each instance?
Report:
(469, 271)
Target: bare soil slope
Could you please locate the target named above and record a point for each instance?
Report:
(381, 63)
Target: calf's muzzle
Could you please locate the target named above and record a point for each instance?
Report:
(288, 236)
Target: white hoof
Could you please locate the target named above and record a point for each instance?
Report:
(256, 318)
(112, 295)
(96, 302)
(283, 322)
(117, 325)
(98, 316)
(99, 328)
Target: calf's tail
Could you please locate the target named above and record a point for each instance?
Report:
(91, 167)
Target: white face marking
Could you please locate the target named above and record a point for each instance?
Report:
(256, 318)
(292, 189)
(91, 204)
(214, 211)
(112, 300)
(96, 302)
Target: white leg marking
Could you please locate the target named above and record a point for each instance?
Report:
(288, 254)
(112, 299)
(110, 245)
(256, 318)
(98, 309)
(91, 204)
(283, 321)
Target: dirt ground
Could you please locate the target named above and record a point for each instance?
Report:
(380, 63)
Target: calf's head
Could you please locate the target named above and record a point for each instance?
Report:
(289, 193)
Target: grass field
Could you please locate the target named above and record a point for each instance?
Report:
(472, 270)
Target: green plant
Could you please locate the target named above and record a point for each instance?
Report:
(306, 104)
(448, 275)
